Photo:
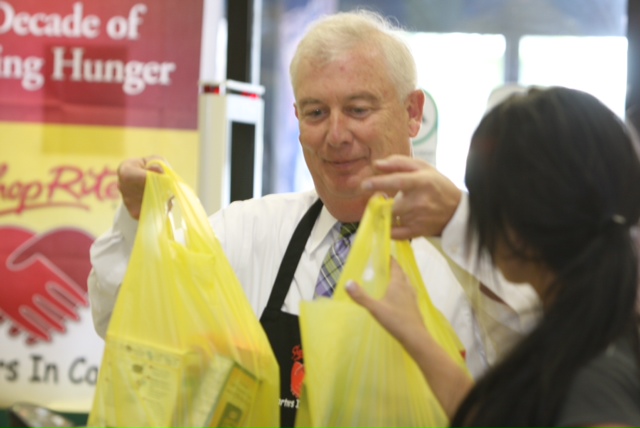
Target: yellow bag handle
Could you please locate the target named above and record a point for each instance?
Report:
(373, 267)
(376, 224)
(170, 204)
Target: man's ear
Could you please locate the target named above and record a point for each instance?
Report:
(415, 107)
(295, 109)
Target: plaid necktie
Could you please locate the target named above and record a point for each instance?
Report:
(334, 260)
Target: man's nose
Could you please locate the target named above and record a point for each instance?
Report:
(339, 132)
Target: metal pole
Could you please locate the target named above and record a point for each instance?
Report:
(243, 49)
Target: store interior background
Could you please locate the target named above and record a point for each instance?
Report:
(464, 50)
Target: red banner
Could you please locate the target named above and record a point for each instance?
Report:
(116, 62)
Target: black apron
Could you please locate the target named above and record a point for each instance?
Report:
(282, 328)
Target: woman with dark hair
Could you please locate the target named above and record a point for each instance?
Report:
(554, 195)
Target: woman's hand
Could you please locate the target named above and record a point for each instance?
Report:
(399, 313)
(398, 310)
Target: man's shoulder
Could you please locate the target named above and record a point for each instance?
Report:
(273, 207)
(428, 248)
(275, 201)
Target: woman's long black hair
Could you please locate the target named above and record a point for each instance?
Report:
(559, 169)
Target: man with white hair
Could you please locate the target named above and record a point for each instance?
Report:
(358, 107)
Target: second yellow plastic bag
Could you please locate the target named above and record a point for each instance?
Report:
(357, 374)
(184, 347)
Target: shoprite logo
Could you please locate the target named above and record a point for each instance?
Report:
(66, 186)
(43, 275)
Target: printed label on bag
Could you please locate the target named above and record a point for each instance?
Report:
(157, 386)
(237, 395)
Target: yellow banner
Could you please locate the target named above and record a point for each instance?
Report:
(58, 192)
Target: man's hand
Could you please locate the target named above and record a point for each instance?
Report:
(425, 199)
(132, 175)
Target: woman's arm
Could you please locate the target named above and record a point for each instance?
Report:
(398, 313)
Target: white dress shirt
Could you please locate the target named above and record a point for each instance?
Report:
(255, 234)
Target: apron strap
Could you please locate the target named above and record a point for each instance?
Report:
(292, 256)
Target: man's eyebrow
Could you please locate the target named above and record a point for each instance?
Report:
(306, 101)
(366, 96)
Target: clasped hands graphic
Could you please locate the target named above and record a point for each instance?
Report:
(43, 280)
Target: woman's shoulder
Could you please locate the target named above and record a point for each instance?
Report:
(607, 389)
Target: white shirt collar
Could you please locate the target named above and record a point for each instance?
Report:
(324, 226)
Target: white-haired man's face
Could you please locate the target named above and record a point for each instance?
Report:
(349, 115)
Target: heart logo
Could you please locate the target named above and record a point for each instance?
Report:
(43, 280)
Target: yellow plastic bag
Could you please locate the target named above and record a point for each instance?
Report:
(184, 347)
(356, 373)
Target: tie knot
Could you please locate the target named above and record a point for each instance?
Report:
(347, 229)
